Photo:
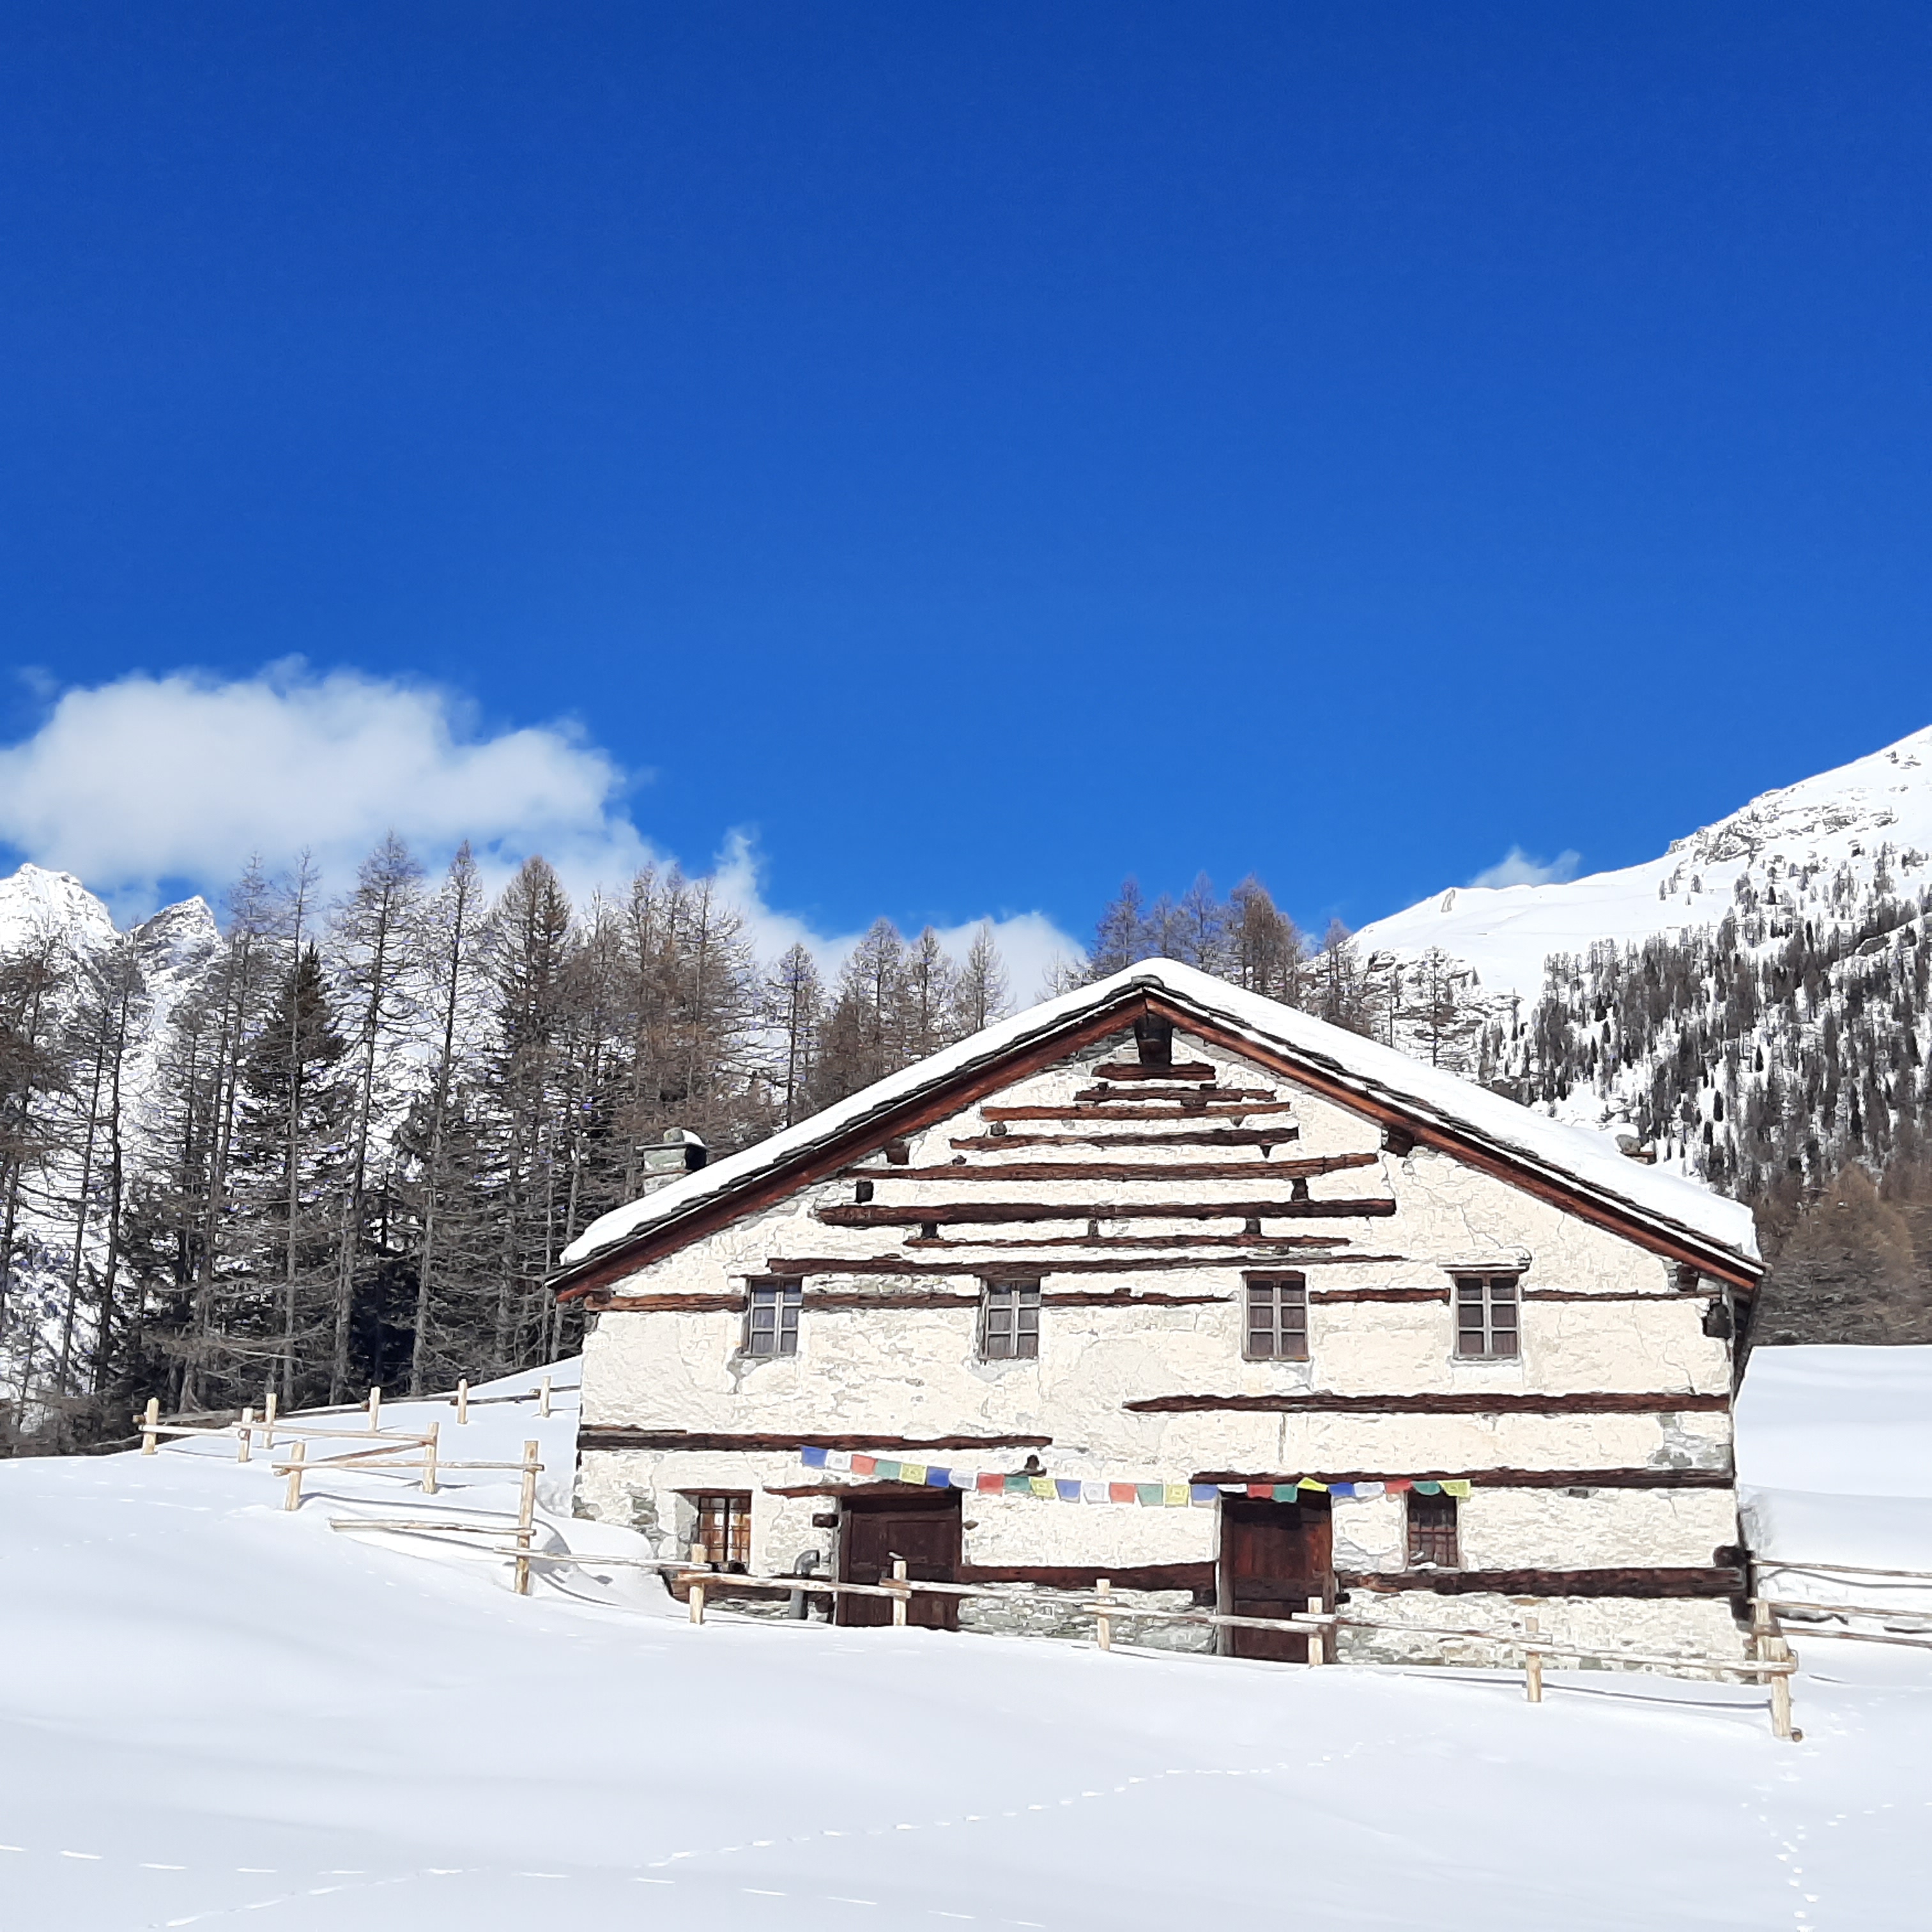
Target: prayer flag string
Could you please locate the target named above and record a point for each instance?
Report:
(1145, 1495)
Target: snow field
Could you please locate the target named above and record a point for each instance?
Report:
(213, 1712)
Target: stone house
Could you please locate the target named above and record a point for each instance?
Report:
(1163, 1282)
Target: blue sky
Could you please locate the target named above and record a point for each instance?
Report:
(973, 452)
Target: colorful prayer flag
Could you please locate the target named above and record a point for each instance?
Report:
(886, 1469)
(1286, 1492)
(1428, 1488)
(994, 1484)
(1177, 1496)
(863, 1466)
(938, 1479)
(1203, 1492)
(1019, 1486)
(1094, 1492)
(1309, 1482)
(963, 1479)
(838, 1458)
(1460, 1487)
(1368, 1489)
(1068, 1492)
(912, 1472)
(1396, 1484)
(814, 1458)
(1121, 1492)
(1263, 1491)
(1042, 1487)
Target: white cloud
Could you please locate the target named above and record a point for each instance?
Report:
(148, 780)
(1517, 868)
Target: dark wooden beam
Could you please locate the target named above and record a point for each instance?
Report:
(1263, 1138)
(1125, 1170)
(1129, 1069)
(611, 1435)
(1634, 1582)
(1238, 1110)
(1588, 1402)
(1634, 1294)
(925, 1243)
(1072, 1265)
(874, 1214)
(1191, 1095)
(1378, 1294)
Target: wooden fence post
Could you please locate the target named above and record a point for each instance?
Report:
(269, 1416)
(1781, 1689)
(150, 1441)
(429, 1459)
(294, 1499)
(375, 1410)
(1760, 1631)
(463, 1399)
(1103, 1625)
(1532, 1665)
(526, 1511)
(899, 1597)
(1317, 1646)
(697, 1601)
(245, 1436)
(543, 1397)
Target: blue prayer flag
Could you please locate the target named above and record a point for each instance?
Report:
(1068, 1492)
(813, 1459)
(938, 1479)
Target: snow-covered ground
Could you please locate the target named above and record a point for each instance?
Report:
(214, 1712)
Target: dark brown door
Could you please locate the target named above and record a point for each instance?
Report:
(873, 1530)
(1274, 1557)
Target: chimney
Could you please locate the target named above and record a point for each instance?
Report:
(677, 1153)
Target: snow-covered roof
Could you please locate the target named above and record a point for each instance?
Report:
(1588, 1163)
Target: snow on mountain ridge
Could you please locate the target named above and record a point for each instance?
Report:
(1845, 818)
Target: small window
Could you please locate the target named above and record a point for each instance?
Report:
(1277, 1319)
(1433, 1541)
(1485, 1324)
(771, 1318)
(722, 1534)
(1010, 1321)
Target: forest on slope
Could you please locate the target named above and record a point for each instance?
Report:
(344, 1144)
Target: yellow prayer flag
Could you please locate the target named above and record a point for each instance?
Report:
(1459, 1487)
(912, 1472)
(1042, 1485)
(1178, 1495)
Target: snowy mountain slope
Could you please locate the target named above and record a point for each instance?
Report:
(1842, 820)
(233, 1711)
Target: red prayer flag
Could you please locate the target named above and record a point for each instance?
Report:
(1399, 1482)
(863, 1466)
(1122, 1493)
(1264, 1490)
(993, 1483)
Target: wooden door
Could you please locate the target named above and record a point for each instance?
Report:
(1274, 1557)
(872, 1531)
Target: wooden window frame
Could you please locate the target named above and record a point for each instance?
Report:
(1005, 1335)
(728, 1512)
(1433, 1532)
(1281, 1297)
(1484, 1297)
(779, 1296)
